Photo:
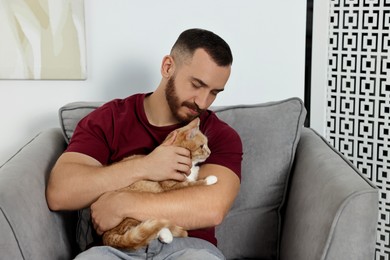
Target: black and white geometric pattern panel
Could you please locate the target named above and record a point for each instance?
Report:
(358, 95)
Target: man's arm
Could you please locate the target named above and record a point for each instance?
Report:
(192, 207)
(77, 180)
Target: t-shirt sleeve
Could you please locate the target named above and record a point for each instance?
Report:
(92, 135)
(226, 147)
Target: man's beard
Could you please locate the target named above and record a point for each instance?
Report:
(174, 103)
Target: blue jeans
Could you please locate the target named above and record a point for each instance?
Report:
(180, 248)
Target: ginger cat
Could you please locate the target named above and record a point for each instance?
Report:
(133, 234)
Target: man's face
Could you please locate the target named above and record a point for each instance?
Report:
(194, 86)
(175, 104)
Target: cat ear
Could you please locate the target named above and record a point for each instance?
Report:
(170, 139)
(195, 122)
(192, 132)
(194, 128)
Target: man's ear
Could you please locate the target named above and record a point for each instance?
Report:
(167, 66)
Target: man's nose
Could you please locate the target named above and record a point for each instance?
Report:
(202, 100)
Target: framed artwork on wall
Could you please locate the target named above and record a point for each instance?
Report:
(42, 39)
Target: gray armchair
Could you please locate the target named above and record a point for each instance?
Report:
(299, 199)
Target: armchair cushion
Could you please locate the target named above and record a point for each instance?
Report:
(70, 114)
(270, 133)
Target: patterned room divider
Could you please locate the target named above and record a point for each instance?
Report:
(358, 95)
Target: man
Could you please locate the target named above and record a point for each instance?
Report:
(91, 171)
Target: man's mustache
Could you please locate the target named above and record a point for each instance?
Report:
(193, 106)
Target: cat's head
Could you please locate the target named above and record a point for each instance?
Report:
(191, 138)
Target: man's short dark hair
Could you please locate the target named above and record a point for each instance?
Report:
(192, 39)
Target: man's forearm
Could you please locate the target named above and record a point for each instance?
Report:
(76, 183)
(186, 208)
(191, 207)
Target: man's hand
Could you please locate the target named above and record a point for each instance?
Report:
(167, 162)
(106, 212)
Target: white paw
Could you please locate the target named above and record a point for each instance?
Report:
(165, 236)
(194, 174)
(210, 180)
(190, 178)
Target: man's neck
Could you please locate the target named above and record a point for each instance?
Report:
(157, 109)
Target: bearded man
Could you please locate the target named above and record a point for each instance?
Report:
(92, 170)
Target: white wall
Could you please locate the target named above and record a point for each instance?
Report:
(319, 67)
(126, 41)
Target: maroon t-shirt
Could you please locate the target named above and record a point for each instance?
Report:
(120, 128)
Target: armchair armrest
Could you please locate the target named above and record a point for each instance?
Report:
(331, 210)
(29, 230)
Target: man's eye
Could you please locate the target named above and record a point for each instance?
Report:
(195, 85)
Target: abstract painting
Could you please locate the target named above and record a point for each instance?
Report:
(42, 39)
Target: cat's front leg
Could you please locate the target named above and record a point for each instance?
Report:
(193, 176)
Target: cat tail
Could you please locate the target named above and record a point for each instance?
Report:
(140, 235)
